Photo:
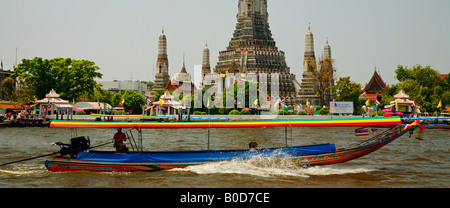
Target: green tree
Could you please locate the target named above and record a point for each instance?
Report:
(101, 95)
(424, 86)
(69, 77)
(8, 88)
(18, 91)
(324, 81)
(242, 89)
(347, 90)
(149, 84)
(132, 100)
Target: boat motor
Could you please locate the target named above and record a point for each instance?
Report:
(76, 145)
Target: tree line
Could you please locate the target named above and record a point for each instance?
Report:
(72, 79)
(423, 84)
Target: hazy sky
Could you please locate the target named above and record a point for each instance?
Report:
(121, 37)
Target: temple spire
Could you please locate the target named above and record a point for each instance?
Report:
(327, 50)
(183, 70)
(162, 64)
(309, 57)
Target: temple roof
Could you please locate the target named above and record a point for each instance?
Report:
(181, 87)
(52, 94)
(401, 95)
(375, 85)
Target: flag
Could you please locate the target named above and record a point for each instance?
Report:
(149, 102)
(98, 101)
(334, 103)
(377, 102)
(413, 103)
(123, 100)
(307, 103)
(256, 102)
(373, 130)
(207, 104)
(440, 104)
(282, 101)
(235, 101)
(161, 102)
(362, 132)
(368, 102)
(396, 103)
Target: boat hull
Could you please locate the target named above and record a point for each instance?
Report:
(67, 165)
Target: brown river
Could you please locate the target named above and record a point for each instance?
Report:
(404, 163)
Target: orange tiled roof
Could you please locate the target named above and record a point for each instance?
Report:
(12, 106)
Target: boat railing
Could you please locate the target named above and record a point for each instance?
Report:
(130, 137)
(137, 147)
(376, 137)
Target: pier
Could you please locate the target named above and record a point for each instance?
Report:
(30, 122)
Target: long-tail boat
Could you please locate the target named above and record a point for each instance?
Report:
(77, 156)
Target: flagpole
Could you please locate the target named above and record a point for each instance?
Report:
(376, 103)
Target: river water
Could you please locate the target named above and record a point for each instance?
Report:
(406, 162)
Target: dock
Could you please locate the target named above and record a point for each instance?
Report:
(30, 122)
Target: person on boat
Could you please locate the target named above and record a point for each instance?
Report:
(253, 146)
(119, 138)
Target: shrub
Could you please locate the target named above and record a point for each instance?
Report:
(301, 113)
(120, 112)
(198, 113)
(244, 112)
(282, 112)
(80, 113)
(222, 111)
(324, 111)
(234, 112)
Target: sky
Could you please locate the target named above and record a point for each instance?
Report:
(121, 37)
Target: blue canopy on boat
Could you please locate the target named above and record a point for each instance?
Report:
(201, 156)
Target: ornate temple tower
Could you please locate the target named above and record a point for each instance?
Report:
(310, 57)
(183, 76)
(307, 90)
(181, 82)
(326, 67)
(327, 51)
(162, 65)
(206, 65)
(253, 50)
